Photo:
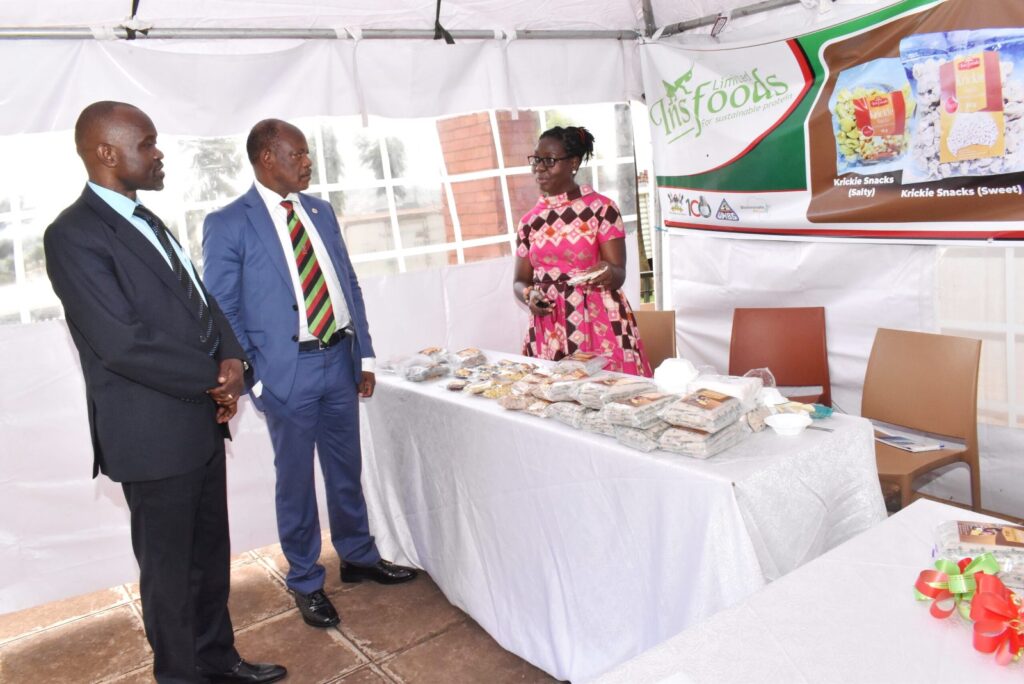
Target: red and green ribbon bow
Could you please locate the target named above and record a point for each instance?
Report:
(951, 586)
(998, 620)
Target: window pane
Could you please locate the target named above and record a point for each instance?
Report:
(522, 194)
(972, 285)
(611, 126)
(34, 258)
(37, 292)
(424, 262)
(218, 168)
(484, 252)
(619, 183)
(351, 152)
(194, 224)
(468, 143)
(518, 136)
(370, 269)
(481, 208)
(420, 228)
(365, 220)
(6, 255)
(414, 150)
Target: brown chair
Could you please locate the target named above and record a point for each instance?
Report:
(928, 383)
(790, 342)
(658, 332)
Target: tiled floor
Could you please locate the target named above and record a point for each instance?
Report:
(407, 633)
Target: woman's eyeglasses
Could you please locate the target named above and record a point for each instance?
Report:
(547, 162)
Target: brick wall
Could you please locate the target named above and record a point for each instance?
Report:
(467, 144)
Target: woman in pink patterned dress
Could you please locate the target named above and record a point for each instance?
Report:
(571, 231)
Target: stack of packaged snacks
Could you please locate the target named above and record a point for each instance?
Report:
(597, 392)
(559, 386)
(704, 423)
(594, 421)
(640, 411)
(588, 362)
(705, 410)
(642, 439)
(568, 412)
(699, 444)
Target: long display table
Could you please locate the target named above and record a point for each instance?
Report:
(577, 553)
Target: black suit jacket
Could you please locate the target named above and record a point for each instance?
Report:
(146, 371)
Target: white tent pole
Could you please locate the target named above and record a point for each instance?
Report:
(745, 11)
(209, 33)
(650, 26)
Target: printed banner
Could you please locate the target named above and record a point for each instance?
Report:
(907, 123)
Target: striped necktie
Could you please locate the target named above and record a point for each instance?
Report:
(207, 335)
(319, 312)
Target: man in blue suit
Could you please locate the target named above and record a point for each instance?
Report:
(276, 263)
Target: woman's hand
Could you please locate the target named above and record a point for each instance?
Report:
(538, 303)
(607, 275)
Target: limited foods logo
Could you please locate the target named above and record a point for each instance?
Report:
(689, 107)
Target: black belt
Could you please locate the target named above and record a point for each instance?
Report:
(317, 345)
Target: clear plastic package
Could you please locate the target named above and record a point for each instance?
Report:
(641, 439)
(418, 373)
(705, 410)
(469, 357)
(435, 354)
(745, 389)
(538, 407)
(699, 444)
(568, 412)
(593, 421)
(588, 362)
(597, 392)
(515, 402)
(640, 411)
(956, 539)
(559, 387)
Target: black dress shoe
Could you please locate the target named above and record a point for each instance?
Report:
(382, 572)
(254, 673)
(316, 609)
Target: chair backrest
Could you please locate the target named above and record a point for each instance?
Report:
(924, 381)
(658, 332)
(788, 341)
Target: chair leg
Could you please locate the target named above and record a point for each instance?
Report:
(906, 492)
(975, 487)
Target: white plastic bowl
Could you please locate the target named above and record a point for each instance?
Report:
(788, 424)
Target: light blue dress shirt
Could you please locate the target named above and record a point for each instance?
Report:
(125, 206)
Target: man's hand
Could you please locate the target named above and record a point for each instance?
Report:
(231, 385)
(226, 412)
(367, 384)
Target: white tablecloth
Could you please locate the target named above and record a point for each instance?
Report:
(577, 553)
(849, 616)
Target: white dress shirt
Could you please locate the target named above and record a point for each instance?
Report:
(279, 217)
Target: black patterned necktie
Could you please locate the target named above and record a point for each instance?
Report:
(195, 299)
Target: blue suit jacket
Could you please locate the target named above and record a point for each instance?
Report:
(246, 270)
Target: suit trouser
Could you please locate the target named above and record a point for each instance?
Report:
(322, 411)
(180, 537)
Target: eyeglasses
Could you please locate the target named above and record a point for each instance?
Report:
(548, 162)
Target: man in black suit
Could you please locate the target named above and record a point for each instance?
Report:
(163, 373)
